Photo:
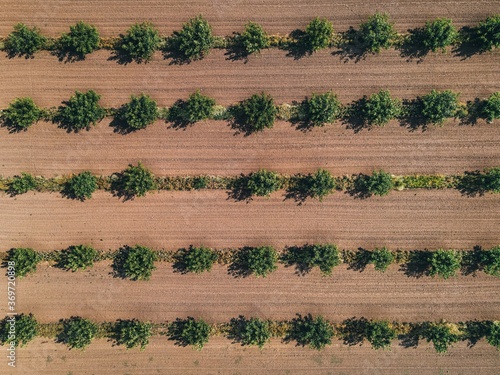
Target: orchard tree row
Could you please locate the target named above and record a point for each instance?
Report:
(195, 39)
(137, 181)
(255, 114)
(138, 262)
(310, 331)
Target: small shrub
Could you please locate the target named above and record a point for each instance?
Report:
(189, 332)
(193, 42)
(255, 113)
(80, 41)
(25, 260)
(135, 181)
(197, 108)
(444, 263)
(26, 329)
(132, 333)
(252, 40)
(77, 257)
(200, 182)
(378, 109)
(380, 334)
(491, 108)
(140, 112)
(318, 35)
(24, 41)
(80, 112)
(195, 259)
(377, 33)
(139, 43)
(441, 335)
(262, 183)
(437, 106)
(326, 257)
(77, 332)
(320, 109)
(313, 332)
(490, 261)
(22, 184)
(379, 183)
(81, 186)
(21, 114)
(253, 331)
(259, 261)
(136, 263)
(381, 258)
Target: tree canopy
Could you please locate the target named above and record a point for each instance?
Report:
(140, 112)
(255, 113)
(77, 257)
(253, 331)
(136, 263)
(21, 114)
(135, 181)
(377, 33)
(491, 107)
(258, 261)
(25, 260)
(378, 109)
(22, 184)
(77, 332)
(438, 34)
(437, 106)
(444, 263)
(80, 112)
(81, 40)
(189, 332)
(26, 329)
(313, 332)
(195, 259)
(379, 183)
(24, 41)
(318, 34)
(193, 41)
(324, 256)
(132, 333)
(252, 40)
(81, 186)
(139, 43)
(320, 109)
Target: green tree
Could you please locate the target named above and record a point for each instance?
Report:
(320, 109)
(317, 185)
(379, 183)
(444, 263)
(189, 332)
(21, 114)
(193, 42)
(139, 43)
(81, 40)
(313, 332)
(26, 329)
(135, 181)
(378, 109)
(262, 183)
(22, 184)
(195, 259)
(491, 108)
(486, 35)
(259, 261)
(437, 106)
(442, 335)
(77, 257)
(25, 260)
(380, 334)
(24, 41)
(252, 40)
(253, 331)
(77, 332)
(318, 35)
(490, 261)
(81, 186)
(140, 112)
(136, 263)
(492, 180)
(377, 33)
(80, 112)
(381, 258)
(493, 336)
(324, 256)
(197, 108)
(438, 34)
(132, 333)
(255, 113)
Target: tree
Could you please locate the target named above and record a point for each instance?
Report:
(139, 43)
(491, 108)
(262, 183)
(24, 41)
(81, 40)
(317, 185)
(438, 34)
(140, 112)
(255, 113)
(25, 260)
(442, 335)
(377, 33)
(22, 184)
(259, 261)
(378, 109)
(491, 180)
(21, 114)
(380, 334)
(80, 112)
(493, 336)
(77, 257)
(253, 331)
(77, 332)
(193, 42)
(195, 259)
(486, 35)
(81, 186)
(136, 263)
(197, 108)
(132, 333)
(313, 332)
(379, 183)
(437, 106)
(189, 332)
(381, 258)
(26, 329)
(135, 181)
(325, 256)
(490, 261)
(318, 35)
(320, 109)
(444, 263)
(252, 40)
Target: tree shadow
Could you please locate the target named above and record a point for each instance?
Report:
(119, 124)
(412, 47)
(298, 46)
(298, 256)
(411, 117)
(353, 331)
(298, 189)
(360, 260)
(410, 339)
(350, 48)
(176, 115)
(238, 122)
(180, 265)
(468, 45)
(353, 118)
(475, 331)
(474, 110)
(357, 189)
(118, 190)
(235, 51)
(238, 268)
(472, 184)
(471, 261)
(417, 264)
(239, 190)
(171, 51)
(11, 127)
(118, 54)
(67, 55)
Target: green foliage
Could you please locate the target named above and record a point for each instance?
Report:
(491, 107)
(132, 333)
(379, 183)
(380, 334)
(136, 263)
(80, 41)
(487, 34)
(326, 257)
(378, 109)
(317, 185)
(25, 260)
(490, 261)
(492, 180)
(21, 114)
(493, 336)
(255, 113)
(197, 108)
(195, 259)
(24, 41)
(437, 106)
(135, 181)
(140, 42)
(189, 332)
(193, 42)
(81, 186)
(381, 258)
(441, 335)
(80, 112)
(77, 332)
(444, 263)
(320, 109)
(259, 261)
(252, 40)
(77, 257)
(22, 184)
(438, 34)
(377, 33)
(253, 331)
(313, 332)
(262, 183)
(139, 112)
(318, 35)
(26, 329)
